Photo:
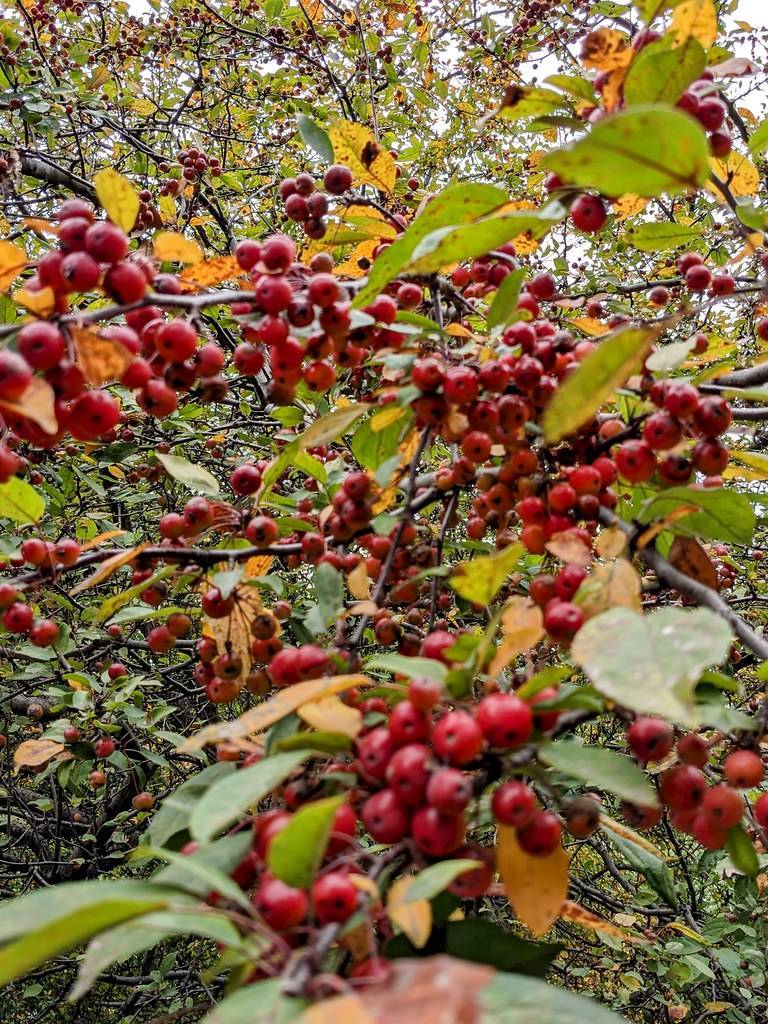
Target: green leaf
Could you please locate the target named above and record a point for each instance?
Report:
(229, 798)
(414, 668)
(330, 427)
(316, 137)
(724, 514)
(326, 742)
(173, 815)
(213, 878)
(652, 663)
(262, 1003)
(659, 74)
(758, 140)
(223, 856)
(372, 447)
(656, 236)
(20, 501)
(298, 850)
(196, 478)
(614, 359)
(482, 941)
(742, 851)
(451, 244)
(647, 150)
(129, 939)
(669, 357)
(514, 999)
(531, 101)
(432, 880)
(658, 874)
(479, 579)
(599, 767)
(505, 300)
(328, 585)
(456, 204)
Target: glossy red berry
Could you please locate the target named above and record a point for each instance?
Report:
(385, 818)
(281, 905)
(505, 720)
(334, 897)
(541, 835)
(513, 803)
(743, 769)
(650, 739)
(588, 213)
(457, 738)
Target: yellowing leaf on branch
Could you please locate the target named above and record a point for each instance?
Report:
(211, 272)
(349, 1009)
(695, 19)
(353, 265)
(577, 914)
(176, 248)
(370, 163)
(628, 206)
(284, 702)
(41, 303)
(589, 326)
(108, 568)
(101, 359)
(118, 197)
(331, 714)
(359, 582)
(609, 585)
(535, 886)
(233, 632)
(738, 172)
(522, 626)
(13, 259)
(605, 49)
(259, 565)
(412, 917)
(569, 549)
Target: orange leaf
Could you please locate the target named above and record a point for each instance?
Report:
(605, 49)
(45, 227)
(535, 886)
(176, 248)
(13, 260)
(628, 205)
(259, 565)
(689, 557)
(522, 625)
(101, 359)
(358, 582)
(41, 303)
(284, 702)
(332, 715)
(33, 753)
(108, 567)
(210, 272)
(109, 535)
(588, 325)
(36, 403)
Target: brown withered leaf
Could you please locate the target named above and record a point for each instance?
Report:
(689, 557)
(102, 360)
(610, 585)
(569, 549)
(108, 567)
(37, 404)
(522, 626)
(605, 49)
(232, 632)
(611, 543)
(33, 753)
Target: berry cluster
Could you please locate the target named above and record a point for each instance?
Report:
(306, 204)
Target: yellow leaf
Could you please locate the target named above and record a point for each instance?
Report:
(391, 414)
(32, 753)
(210, 272)
(522, 625)
(314, 11)
(738, 172)
(351, 266)
(332, 715)
(358, 582)
(37, 404)
(610, 585)
(458, 331)
(41, 303)
(233, 632)
(611, 543)
(339, 1010)
(107, 568)
(414, 917)
(101, 359)
(118, 197)
(588, 325)
(108, 535)
(284, 702)
(259, 565)
(612, 90)
(628, 205)
(569, 549)
(116, 472)
(653, 531)
(176, 248)
(577, 914)
(167, 207)
(13, 259)
(695, 19)
(142, 106)
(535, 886)
(354, 145)
(606, 49)
(45, 227)
(689, 933)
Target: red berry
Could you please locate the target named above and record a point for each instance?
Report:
(18, 618)
(588, 213)
(760, 810)
(692, 749)
(449, 791)
(505, 720)
(281, 905)
(385, 818)
(706, 832)
(106, 242)
(743, 769)
(407, 773)
(541, 835)
(635, 461)
(41, 344)
(15, 375)
(437, 834)
(513, 803)
(683, 787)
(408, 725)
(722, 806)
(337, 179)
(334, 897)
(650, 739)
(457, 738)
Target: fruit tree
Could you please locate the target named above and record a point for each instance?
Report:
(383, 390)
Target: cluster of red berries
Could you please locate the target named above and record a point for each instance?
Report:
(195, 163)
(486, 273)
(308, 205)
(705, 811)
(698, 278)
